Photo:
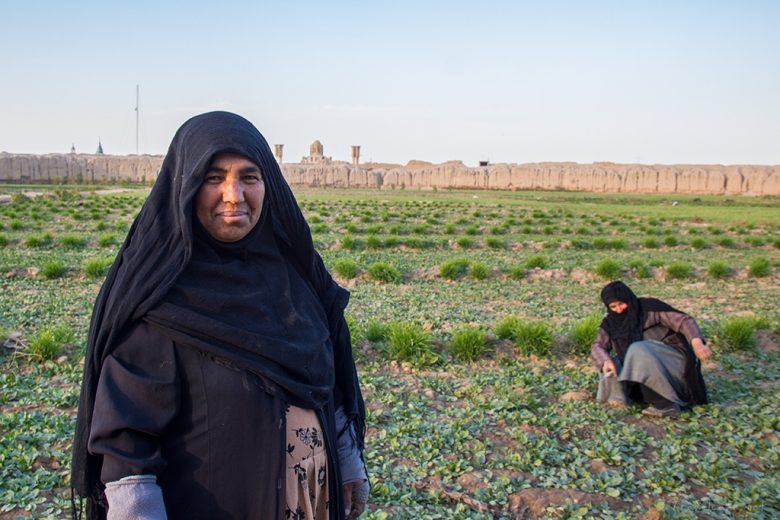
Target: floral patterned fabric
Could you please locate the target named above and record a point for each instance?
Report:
(307, 467)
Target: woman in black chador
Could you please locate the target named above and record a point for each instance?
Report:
(656, 354)
(219, 380)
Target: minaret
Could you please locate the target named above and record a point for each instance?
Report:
(356, 155)
(278, 152)
(73, 148)
(99, 150)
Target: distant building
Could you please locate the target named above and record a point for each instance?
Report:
(355, 155)
(316, 155)
(73, 148)
(278, 148)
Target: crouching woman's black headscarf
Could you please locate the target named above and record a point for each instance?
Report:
(158, 250)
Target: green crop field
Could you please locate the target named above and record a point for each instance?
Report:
(472, 314)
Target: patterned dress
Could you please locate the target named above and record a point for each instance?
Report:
(307, 467)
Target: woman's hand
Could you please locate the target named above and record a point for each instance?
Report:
(701, 350)
(355, 498)
(609, 368)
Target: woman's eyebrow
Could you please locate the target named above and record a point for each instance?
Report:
(250, 169)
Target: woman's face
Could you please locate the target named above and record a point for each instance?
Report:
(618, 307)
(229, 201)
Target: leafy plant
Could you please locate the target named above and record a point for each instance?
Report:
(608, 268)
(384, 272)
(517, 272)
(495, 243)
(533, 337)
(760, 267)
(468, 343)
(536, 262)
(479, 271)
(45, 345)
(409, 342)
(97, 267)
(718, 269)
(504, 328)
(454, 268)
(738, 332)
(679, 270)
(72, 242)
(345, 267)
(376, 331)
(464, 242)
(583, 333)
(53, 269)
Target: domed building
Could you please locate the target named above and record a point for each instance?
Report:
(316, 155)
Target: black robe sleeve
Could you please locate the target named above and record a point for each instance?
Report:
(137, 398)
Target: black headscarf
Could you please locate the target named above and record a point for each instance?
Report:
(628, 326)
(158, 250)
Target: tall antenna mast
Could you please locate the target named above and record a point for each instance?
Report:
(137, 95)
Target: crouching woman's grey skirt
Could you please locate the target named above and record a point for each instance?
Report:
(656, 365)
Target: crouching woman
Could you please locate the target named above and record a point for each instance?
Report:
(648, 352)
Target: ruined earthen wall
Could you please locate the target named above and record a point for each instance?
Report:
(597, 177)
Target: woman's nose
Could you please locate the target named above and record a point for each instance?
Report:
(232, 192)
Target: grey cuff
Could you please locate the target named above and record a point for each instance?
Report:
(137, 497)
(350, 461)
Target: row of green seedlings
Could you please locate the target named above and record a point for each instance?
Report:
(350, 212)
(612, 269)
(92, 268)
(373, 241)
(672, 238)
(410, 342)
(70, 242)
(607, 268)
(525, 226)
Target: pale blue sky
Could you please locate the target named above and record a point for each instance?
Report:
(524, 81)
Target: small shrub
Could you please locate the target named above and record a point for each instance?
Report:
(449, 229)
(3, 240)
(726, 242)
(581, 243)
(533, 337)
(479, 271)
(53, 269)
(718, 269)
(471, 230)
(699, 243)
(671, 241)
(409, 342)
(392, 241)
(754, 241)
(517, 272)
(347, 242)
(345, 268)
(16, 225)
(536, 262)
(72, 242)
(45, 345)
(454, 269)
(495, 243)
(376, 331)
(373, 242)
(384, 272)
(608, 268)
(759, 267)
(737, 333)
(97, 267)
(107, 239)
(468, 344)
(583, 333)
(464, 242)
(650, 243)
(505, 327)
(679, 270)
